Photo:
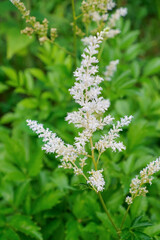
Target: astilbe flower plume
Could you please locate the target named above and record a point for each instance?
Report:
(99, 12)
(89, 118)
(137, 187)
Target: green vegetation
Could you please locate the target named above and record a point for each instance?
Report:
(37, 199)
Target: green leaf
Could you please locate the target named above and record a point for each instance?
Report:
(139, 206)
(10, 73)
(16, 42)
(3, 87)
(21, 192)
(123, 107)
(47, 201)
(106, 223)
(128, 39)
(141, 236)
(29, 80)
(152, 67)
(38, 73)
(25, 225)
(133, 51)
(125, 235)
(128, 164)
(9, 234)
(8, 117)
(138, 223)
(35, 163)
(72, 230)
(153, 230)
(135, 69)
(30, 103)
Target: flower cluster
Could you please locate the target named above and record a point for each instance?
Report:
(110, 69)
(108, 140)
(98, 11)
(137, 187)
(41, 29)
(96, 179)
(89, 118)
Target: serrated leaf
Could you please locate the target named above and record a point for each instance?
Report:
(153, 230)
(25, 225)
(106, 223)
(72, 230)
(125, 235)
(133, 51)
(138, 223)
(128, 39)
(51, 227)
(152, 67)
(21, 193)
(38, 73)
(47, 201)
(141, 236)
(9, 234)
(35, 163)
(91, 227)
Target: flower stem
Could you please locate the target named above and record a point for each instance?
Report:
(93, 158)
(65, 50)
(102, 48)
(74, 33)
(108, 214)
(124, 218)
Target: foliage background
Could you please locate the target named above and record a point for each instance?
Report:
(38, 200)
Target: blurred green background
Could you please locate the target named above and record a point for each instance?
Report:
(38, 200)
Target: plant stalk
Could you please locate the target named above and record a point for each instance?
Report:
(124, 218)
(108, 214)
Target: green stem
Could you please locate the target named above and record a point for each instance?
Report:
(101, 49)
(93, 158)
(65, 50)
(74, 33)
(124, 218)
(108, 214)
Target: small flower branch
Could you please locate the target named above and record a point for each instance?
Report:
(136, 186)
(108, 214)
(41, 29)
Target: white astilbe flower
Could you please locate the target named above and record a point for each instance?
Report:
(137, 187)
(96, 179)
(96, 17)
(90, 117)
(14, 1)
(110, 69)
(99, 11)
(121, 12)
(112, 33)
(86, 90)
(108, 141)
(54, 144)
(110, 4)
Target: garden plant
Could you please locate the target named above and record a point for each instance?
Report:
(90, 181)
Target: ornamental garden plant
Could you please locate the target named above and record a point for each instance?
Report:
(66, 194)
